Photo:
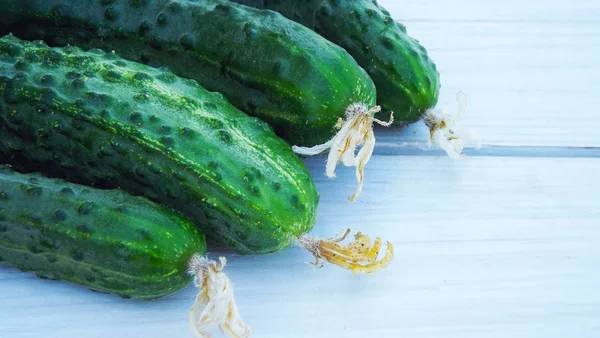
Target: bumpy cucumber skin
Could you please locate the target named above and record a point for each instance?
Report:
(106, 240)
(93, 118)
(406, 79)
(266, 65)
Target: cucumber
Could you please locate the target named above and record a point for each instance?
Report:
(93, 118)
(406, 78)
(266, 65)
(106, 240)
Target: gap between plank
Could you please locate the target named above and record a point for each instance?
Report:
(413, 148)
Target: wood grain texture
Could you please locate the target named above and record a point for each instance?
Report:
(493, 247)
(501, 244)
(530, 69)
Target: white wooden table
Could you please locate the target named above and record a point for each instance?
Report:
(505, 243)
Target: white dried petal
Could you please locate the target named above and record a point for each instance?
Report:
(362, 158)
(355, 130)
(316, 150)
(215, 304)
(442, 132)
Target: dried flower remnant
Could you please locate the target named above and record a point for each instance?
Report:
(356, 128)
(214, 305)
(443, 133)
(348, 256)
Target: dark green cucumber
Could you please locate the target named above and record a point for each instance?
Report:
(266, 65)
(106, 240)
(93, 118)
(406, 78)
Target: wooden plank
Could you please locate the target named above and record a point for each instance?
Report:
(491, 246)
(486, 247)
(529, 68)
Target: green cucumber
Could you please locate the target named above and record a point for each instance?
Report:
(266, 65)
(406, 78)
(93, 118)
(106, 240)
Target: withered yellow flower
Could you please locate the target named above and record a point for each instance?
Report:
(359, 256)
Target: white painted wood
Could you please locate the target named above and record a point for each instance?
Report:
(530, 69)
(486, 247)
